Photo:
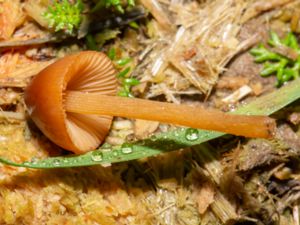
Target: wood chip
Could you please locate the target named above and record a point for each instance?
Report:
(205, 197)
(257, 88)
(238, 94)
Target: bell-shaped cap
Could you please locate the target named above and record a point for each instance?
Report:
(87, 71)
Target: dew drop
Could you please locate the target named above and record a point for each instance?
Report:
(66, 161)
(105, 149)
(153, 138)
(176, 134)
(26, 163)
(126, 149)
(106, 145)
(191, 134)
(56, 162)
(79, 159)
(115, 153)
(97, 156)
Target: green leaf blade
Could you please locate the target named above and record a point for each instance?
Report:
(165, 142)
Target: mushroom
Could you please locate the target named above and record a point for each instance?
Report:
(73, 102)
(89, 72)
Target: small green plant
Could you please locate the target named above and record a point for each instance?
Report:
(96, 41)
(126, 81)
(115, 4)
(64, 16)
(283, 66)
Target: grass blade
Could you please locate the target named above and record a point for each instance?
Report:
(169, 141)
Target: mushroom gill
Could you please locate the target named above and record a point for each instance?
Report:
(87, 72)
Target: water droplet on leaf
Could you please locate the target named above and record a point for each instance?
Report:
(97, 156)
(191, 134)
(105, 149)
(56, 162)
(126, 149)
(176, 134)
(106, 145)
(153, 138)
(26, 163)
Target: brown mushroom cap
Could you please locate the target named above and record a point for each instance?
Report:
(86, 71)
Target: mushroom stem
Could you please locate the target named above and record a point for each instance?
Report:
(195, 117)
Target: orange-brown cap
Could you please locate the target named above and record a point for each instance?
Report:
(87, 71)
